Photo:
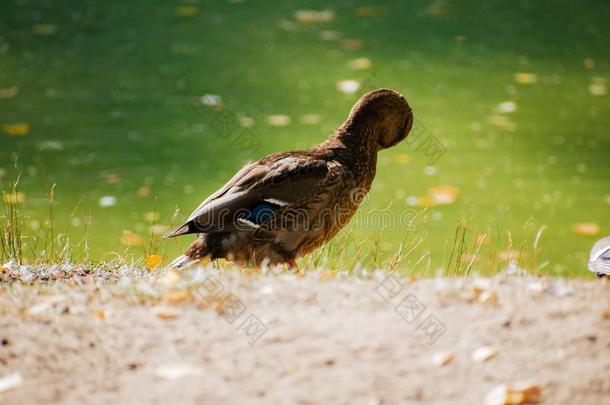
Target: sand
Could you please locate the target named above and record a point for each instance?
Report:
(211, 337)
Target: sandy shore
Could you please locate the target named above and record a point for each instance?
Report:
(208, 337)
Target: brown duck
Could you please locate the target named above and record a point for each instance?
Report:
(290, 203)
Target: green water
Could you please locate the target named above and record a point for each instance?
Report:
(110, 88)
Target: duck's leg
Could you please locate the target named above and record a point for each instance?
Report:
(293, 265)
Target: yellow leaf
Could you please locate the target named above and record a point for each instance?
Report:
(13, 198)
(44, 29)
(176, 297)
(520, 393)
(586, 229)
(17, 129)
(169, 279)
(9, 92)
(443, 194)
(360, 63)
(151, 216)
(526, 78)
(100, 314)
(307, 17)
(598, 87)
(588, 63)
(165, 313)
(131, 239)
(327, 275)
(144, 192)
(187, 10)
(352, 43)
(401, 158)
(503, 122)
(278, 120)
(153, 261)
(113, 178)
(372, 11)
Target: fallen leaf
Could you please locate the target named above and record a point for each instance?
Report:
(130, 238)
(606, 313)
(440, 359)
(186, 10)
(598, 87)
(144, 192)
(487, 297)
(526, 78)
(13, 198)
(484, 353)
(44, 29)
(159, 229)
(9, 92)
(348, 86)
(10, 382)
(165, 313)
(520, 393)
(352, 43)
(113, 178)
(307, 17)
(246, 122)
(17, 129)
(436, 8)
(169, 280)
(47, 303)
(588, 63)
(278, 120)
(174, 372)
(153, 261)
(329, 35)
(503, 122)
(443, 194)
(107, 201)
(360, 63)
(586, 229)
(210, 100)
(100, 314)
(372, 11)
(176, 297)
(401, 158)
(506, 107)
(327, 275)
(310, 119)
(151, 216)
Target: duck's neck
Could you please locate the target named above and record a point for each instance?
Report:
(354, 150)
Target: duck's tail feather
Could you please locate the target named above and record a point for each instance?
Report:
(182, 262)
(198, 251)
(187, 228)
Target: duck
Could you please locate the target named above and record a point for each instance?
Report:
(288, 204)
(599, 258)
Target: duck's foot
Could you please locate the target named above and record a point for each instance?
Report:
(293, 265)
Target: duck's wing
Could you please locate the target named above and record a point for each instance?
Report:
(257, 191)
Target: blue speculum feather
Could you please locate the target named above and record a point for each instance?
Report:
(261, 212)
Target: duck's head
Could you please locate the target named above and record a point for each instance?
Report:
(382, 116)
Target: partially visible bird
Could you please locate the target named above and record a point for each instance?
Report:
(599, 258)
(290, 203)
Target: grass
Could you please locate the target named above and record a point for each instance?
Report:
(108, 95)
(346, 252)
